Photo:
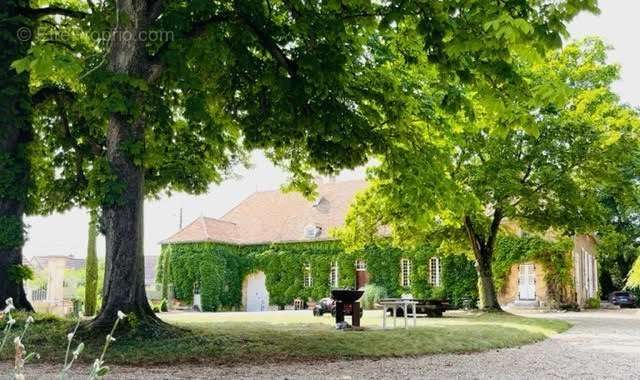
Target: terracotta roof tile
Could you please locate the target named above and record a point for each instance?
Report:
(274, 216)
(206, 229)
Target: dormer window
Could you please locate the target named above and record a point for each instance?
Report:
(312, 231)
(321, 204)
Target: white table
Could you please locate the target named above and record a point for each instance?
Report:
(394, 304)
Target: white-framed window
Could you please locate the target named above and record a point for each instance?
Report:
(361, 265)
(307, 280)
(333, 275)
(434, 271)
(405, 272)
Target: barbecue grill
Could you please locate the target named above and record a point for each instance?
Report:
(347, 304)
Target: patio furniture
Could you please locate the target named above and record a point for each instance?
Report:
(405, 305)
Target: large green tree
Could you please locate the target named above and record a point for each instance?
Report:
(544, 163)
(294, 78)
(19, 21)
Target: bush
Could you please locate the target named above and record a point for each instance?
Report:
(636, 292)
(593, 303)
(372, 295)
(163, 305)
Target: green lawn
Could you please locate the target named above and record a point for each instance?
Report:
(230, 338)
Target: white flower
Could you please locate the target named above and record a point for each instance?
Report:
(9, 301)
(30, 319)
(8, 309)
(69, 337)
(110, 338)
(121, 315)
(11, 321)
(78, 350)
(16, 340)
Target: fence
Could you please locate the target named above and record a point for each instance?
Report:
(39, 294)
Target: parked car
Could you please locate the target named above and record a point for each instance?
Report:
(622, 299)
(328, 305)
(325, 305)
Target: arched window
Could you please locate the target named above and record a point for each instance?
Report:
(434, 271)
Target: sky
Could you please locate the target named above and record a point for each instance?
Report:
(66, 234)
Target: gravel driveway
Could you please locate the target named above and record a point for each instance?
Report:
(602, 344)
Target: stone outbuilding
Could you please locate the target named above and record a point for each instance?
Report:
(526, 283)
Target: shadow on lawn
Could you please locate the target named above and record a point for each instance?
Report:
(260, 342)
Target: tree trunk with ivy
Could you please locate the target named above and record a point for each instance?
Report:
(91, 270)
(123, 214)
(483, 246)
(15, 136)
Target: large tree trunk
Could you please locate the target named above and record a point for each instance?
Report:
(15, 136)
(486, 288)
(483, 252)
(123, 218)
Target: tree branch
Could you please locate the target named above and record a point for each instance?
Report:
(52, 11)
(493, 230)
(525, 177)
(47, 93)
(197, 29)
(270, 45)
(474, 238)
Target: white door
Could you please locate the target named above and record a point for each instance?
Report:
(257, 295)
(527, 283)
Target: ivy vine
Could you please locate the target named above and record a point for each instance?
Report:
(219, 270)
(552, 255)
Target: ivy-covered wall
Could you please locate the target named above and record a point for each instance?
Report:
(220, 269)
(553, 255)
(217, 269)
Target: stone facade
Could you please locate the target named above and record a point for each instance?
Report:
(510, 293)
(584, 275)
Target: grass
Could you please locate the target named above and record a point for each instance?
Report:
(234, 338)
